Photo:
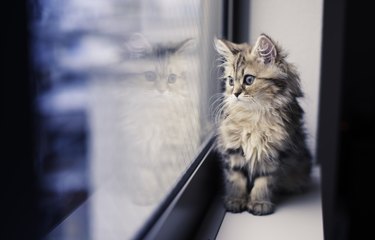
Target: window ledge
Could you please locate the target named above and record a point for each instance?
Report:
(297, 217)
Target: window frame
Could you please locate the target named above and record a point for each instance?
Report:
(329, 109)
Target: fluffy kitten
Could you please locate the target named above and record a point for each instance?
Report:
(260, 132)
(160, 120)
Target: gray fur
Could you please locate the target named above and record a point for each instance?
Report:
(260, 133)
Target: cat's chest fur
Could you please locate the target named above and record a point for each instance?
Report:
(259, 134)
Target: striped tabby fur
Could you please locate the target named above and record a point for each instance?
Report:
(260, 134)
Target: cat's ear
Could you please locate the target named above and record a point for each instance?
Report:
(265, 49)
(226, 48)
(185, 45)
(137, 45)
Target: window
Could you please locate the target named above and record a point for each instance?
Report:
(122, 101)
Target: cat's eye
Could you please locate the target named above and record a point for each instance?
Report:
(230, 81)
(248, 79)
(150, 76)
(172, 78)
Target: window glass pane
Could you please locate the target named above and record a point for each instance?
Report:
(122, 105)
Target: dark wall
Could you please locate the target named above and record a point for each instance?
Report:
(18, 180)
(346, 144)
(357, 121)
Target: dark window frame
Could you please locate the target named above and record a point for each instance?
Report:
(330, 110)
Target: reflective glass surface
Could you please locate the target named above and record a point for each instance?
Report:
(123, 89)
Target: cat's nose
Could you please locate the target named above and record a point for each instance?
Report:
(236, 94)
(161, 87)
(161, 90)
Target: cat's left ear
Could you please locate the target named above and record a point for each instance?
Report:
(265, 49)
(185, 45)
(226, 49)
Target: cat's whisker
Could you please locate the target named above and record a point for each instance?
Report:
(215, 103)
(216, 96)
(218, 112)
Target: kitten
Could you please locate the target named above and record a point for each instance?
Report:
(160, 112)
(260, 134)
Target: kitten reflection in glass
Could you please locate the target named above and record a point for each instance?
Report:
(260, 133)
(160, 115)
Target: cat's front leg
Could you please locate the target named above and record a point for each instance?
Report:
(236, 196)
(260, 199)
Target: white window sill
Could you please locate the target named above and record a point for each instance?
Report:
(296, 217)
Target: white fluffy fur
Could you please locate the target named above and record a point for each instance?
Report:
(260, 133)
(161, 124)
(253, 131)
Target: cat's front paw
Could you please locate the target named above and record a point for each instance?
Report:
(235, 205)
(260, 207)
